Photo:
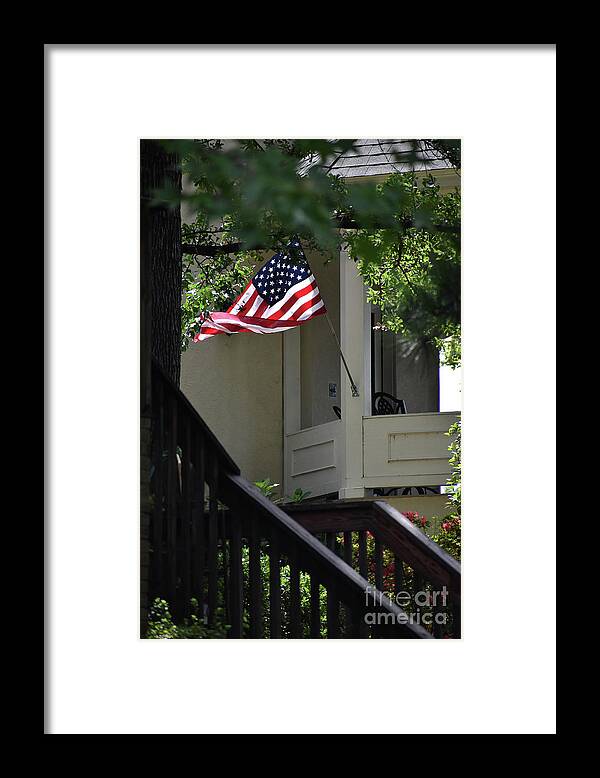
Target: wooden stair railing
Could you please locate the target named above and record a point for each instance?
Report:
(214, 535)
(366, 533)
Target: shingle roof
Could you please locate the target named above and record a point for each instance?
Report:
(373, 157)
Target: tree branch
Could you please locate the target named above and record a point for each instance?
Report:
(344, 221)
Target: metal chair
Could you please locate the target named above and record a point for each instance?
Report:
(385, 404)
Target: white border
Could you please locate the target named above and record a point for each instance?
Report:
(500, 677)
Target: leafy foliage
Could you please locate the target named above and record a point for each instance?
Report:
(298, 495)
(454, 481)
(249, 195)
(162, 627)
(255, 186)
(412, 271)
(449, 536)
(305, 607)
(268, 488)
(160, 622)
(449, 147)
(210, 283)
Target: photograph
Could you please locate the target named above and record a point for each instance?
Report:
(275, 347)
(301, 388)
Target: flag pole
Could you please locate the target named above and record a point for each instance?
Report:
(352, 384)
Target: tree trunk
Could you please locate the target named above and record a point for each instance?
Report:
(159, 171)
(160, 319)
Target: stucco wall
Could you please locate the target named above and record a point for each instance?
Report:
(235, 384)
(320, 360)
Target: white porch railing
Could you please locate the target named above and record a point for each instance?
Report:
(400, 450)
(406, 449)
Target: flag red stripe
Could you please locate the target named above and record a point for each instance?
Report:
(257, 321)
(245, 308)
(232, 321)
(261, 308)
(308, 304)
(235, 302)
(293, 299)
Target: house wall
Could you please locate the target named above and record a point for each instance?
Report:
(319, 354)
(235, 384)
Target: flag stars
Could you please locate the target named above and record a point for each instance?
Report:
(281, 274)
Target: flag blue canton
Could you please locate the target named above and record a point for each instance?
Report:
(281, 273)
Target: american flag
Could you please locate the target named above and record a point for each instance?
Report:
(282, 294)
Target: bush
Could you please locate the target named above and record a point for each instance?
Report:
(162, 627)
(267, 487)
(449, 536)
